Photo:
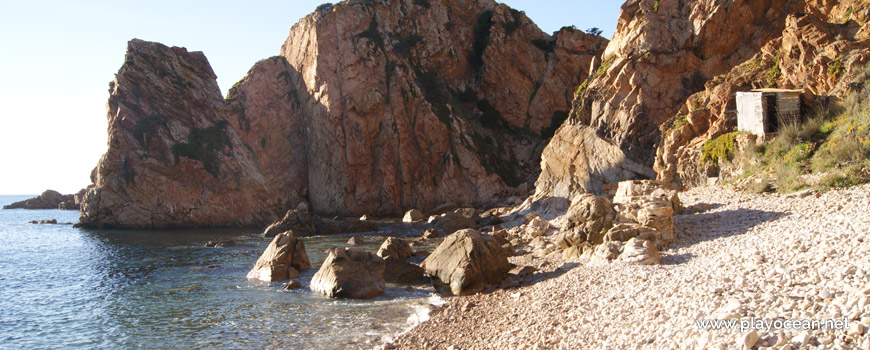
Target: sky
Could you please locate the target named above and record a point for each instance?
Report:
(57, 58)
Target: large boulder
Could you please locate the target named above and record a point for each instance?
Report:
(466, 262)
(350, 273)
(395, 247)
(649, 204)
(282, 260)
(450, 222)
(298, 220)
(631, 191)
(413, 215)
(587, 220)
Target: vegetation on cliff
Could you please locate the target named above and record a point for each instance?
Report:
(829, 149)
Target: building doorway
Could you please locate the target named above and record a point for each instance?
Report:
(771, 119)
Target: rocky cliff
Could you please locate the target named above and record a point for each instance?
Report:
(378, 107)
(173, 159)
(372, 107)
(663, 52)
(817, 49)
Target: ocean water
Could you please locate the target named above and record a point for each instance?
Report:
(68, 288)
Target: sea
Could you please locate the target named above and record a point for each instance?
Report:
(69, 288)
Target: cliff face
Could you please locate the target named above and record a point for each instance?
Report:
(372, 107)
(378, 107)
(173, 159)
(662, 52)
(818, 49)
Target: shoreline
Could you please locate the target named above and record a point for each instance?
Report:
(765, 256)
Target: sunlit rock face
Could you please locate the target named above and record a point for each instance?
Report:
(370, 108)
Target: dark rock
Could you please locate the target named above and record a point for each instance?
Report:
(398, 270)
(297, 220)
(293, 284)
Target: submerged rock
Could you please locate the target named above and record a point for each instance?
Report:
(350, 273)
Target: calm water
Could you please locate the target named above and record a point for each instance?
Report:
(62, 287)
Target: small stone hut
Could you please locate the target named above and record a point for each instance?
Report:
(763, 111)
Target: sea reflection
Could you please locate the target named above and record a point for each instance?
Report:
(71, 288)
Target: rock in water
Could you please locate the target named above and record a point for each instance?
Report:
(293, 284)
(281, 260)
(413, 215)
(174, 159)
(398, 270)
(47, 200)
(355, 241)
(350, 273)
(466, 262)
(297, 220)
(395, 247)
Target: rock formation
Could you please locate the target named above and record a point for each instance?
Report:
(371, 108)
(661, 53)
(174, 160)
(395, 247)
(818, 48)
(466, 262)
(298, 220)
(282, 260)
(350, 273)
(47, 200)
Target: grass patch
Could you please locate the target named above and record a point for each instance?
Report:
(720, 148)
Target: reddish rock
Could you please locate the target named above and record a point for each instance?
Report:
(174, 160)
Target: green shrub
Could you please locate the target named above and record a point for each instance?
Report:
(372, 34)
(490, 116)
(482, 30)
(851, 176)
(721, 147)
(835, 67)
(327, 6)
(760, 186)
(798, 154)
(407, 43)
(204, 145)
(788, 179)
(516, 21)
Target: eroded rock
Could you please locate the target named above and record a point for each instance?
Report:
(466, 262)
(350, 273)
(282, 259)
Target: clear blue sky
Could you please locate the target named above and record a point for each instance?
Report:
(57, 58)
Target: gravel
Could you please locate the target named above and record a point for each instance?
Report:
(751, 257)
